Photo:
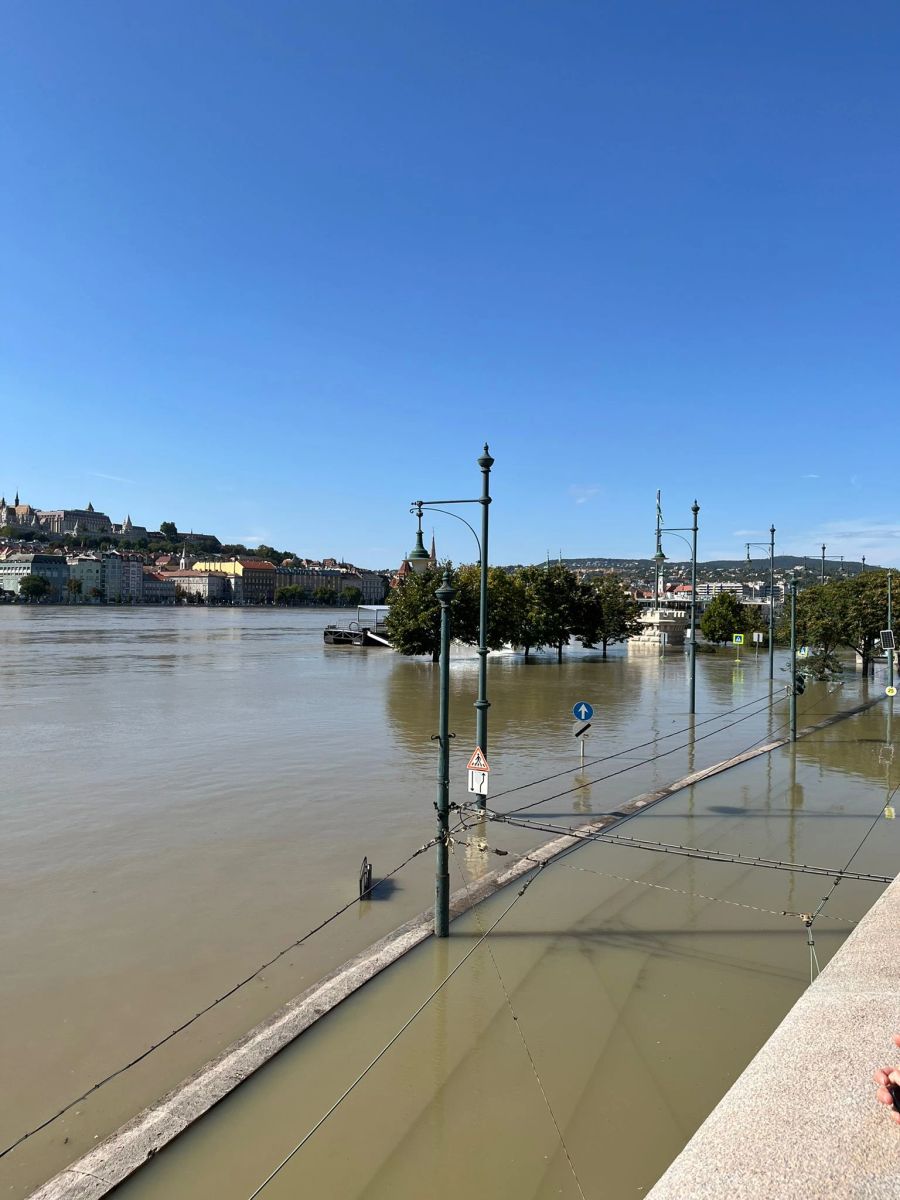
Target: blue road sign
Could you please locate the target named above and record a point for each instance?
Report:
(582, 711)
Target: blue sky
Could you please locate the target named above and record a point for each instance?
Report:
(273, 271)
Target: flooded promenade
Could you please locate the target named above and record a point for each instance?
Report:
(189, 791)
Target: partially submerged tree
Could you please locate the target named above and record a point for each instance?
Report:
(414, 620)
(34, 587)
(724, 617)
(607, 613)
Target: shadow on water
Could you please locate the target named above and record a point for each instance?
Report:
(384, 889)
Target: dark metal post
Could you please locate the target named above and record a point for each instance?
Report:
(863, 566)
(823, 562)
(482, 704)
(772, 603)
(890, 625)
(695, 509)
(445, 594)
(793, 704)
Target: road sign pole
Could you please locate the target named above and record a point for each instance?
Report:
(445, 594)
(793, 698)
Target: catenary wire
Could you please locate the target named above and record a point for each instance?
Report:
(645, 762)
(663, 887)
(641, 763)
(208, 1008)
(381, 1053)
(518, 1025)
(628, 749)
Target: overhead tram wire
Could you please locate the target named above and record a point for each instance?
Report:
(814, 960)
(381, 1053)
(519, 1030)
(723, 856)
(645, 762)
(688, 851)
(664, 887)
(208, 1008)
(427, 846)
(631, 766)
(628, 749)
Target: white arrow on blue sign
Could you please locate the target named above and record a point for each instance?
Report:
(582, 711)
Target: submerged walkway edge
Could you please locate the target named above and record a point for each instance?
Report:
(107, 1165)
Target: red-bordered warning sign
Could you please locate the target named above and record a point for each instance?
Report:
(478, 762)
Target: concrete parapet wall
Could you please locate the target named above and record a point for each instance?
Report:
(802, 1120)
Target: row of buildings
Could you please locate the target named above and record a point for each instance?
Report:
(125, 577)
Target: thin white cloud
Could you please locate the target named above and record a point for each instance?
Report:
(810, 476)
(114, 478)
(582, 493)
(877, 539)
(749, 532)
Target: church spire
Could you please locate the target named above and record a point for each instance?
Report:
(16, 501)
(432, 558)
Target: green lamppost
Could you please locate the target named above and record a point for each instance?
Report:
(770, 546)
(445, 594)
(482, 704)
(660, 557)
(890, 625)
(793, 696)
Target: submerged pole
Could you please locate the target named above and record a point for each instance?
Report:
(695, 509)
(793, 703)
(772, 602)
(482, 704)
(445, 594)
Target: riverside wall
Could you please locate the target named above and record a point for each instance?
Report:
(802, 1119)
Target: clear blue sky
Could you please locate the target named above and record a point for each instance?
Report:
(273, 270)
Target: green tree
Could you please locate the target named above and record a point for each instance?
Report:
(168, 530)
(607, 613)
(352, 596)
(843, 612)
(754, 619)
(34, 587)
(724, 616)
(290, 595)
(862, 603)
(74, 588)
(503, 598)
(414, 621)
(325, 596)
(549, 607)
(529, 631)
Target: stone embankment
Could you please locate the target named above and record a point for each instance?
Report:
(802, 1120)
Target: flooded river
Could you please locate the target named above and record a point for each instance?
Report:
(186, 792)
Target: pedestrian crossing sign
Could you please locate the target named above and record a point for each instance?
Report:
(478, 762)
(737, 639)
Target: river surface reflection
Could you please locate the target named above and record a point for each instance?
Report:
(187, 791)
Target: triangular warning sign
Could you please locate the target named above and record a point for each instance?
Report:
(477, 762)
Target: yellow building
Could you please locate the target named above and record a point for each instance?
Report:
(252, 579)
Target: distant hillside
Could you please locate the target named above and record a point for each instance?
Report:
(719, 568)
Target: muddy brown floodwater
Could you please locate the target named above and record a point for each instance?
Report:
(185, 792)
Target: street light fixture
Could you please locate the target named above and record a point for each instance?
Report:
(770, 546)
(823, 556)
(678, 531)
(482, 704)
